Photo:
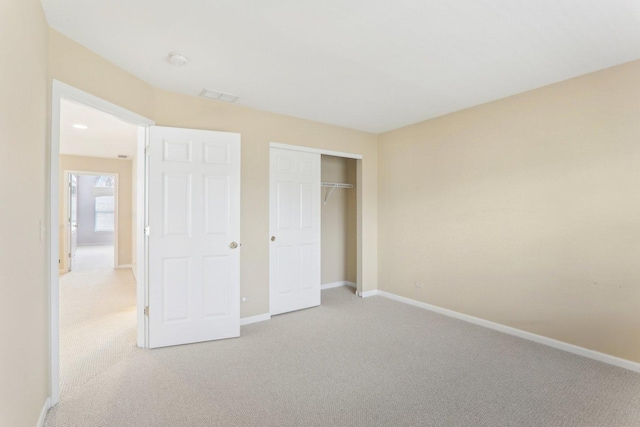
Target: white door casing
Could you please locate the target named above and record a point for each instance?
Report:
(73, 220)
(294, 219)
(194, 232)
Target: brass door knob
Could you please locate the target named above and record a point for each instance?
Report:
(233, 245)
(273, 238)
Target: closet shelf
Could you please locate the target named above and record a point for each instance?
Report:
(332, 186)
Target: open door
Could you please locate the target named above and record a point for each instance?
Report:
(294, 254)
(194, 231)
(73, 220)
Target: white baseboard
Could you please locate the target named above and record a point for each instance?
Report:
(255, 319)
(561, 345)
(43, 412)
(124, 266)
(368, 294)
(337, 285)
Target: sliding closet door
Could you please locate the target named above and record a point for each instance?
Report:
(294, 254)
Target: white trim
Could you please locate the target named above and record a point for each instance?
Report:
(61, 91)
(315, 150)
(54, 238)
(43, 412)
(72, 94)
(560, 345)
(125, 266)
(338, 284)
(255, 319)
(367, 294)
(140, 271)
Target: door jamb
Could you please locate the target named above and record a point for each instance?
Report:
(61, 91)
(358, 158)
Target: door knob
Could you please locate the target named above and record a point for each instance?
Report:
(233, 245)
(273, 238)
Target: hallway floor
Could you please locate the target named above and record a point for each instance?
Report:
(97, 318)
(99, 257)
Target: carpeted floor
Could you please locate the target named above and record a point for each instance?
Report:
(99, 257)
(356, 362)
(97, 318)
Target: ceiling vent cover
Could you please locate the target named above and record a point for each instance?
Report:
(218, 96)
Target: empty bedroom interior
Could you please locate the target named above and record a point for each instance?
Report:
(523, 211)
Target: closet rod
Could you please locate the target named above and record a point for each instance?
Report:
(333, 186)
(336, 185)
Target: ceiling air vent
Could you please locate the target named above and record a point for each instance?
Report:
(218, 96)
(122, 156)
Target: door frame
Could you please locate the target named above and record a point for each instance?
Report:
(67, 173)
(359, 231)
(60, 91)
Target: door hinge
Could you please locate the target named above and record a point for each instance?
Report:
(69, 254)
(147, 151)
(146, 311)
(147, 230)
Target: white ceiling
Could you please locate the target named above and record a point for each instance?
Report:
(105, 136)
(372, 65)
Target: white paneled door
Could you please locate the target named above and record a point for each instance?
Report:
(194, 232)
(294, 254)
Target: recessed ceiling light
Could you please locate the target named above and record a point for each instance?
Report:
(178, 59)
(80, 126)
(218, 96)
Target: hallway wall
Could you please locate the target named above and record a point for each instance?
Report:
(24, 101)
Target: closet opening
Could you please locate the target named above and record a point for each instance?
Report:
(339, 222)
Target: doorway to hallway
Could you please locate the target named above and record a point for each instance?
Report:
(97, 318)
(98, 195)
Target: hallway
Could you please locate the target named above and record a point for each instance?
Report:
(99, 257)
(97, 318)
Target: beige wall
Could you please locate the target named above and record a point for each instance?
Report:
(24, 377)
(258, 128)
(339, 222)
(125, 187)
(524, 211)
(74, 64)
(97, 76)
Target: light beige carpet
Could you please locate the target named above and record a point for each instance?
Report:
(97, 323)
(99, 257)
(356, 362)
